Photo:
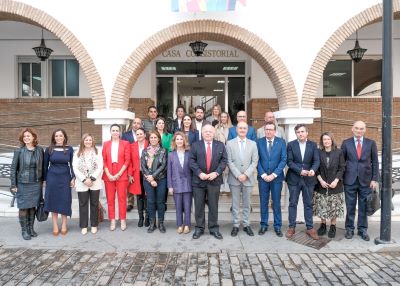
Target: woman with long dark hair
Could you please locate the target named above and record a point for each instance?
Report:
(154, 168)
(88, 168)
(188, 129)
(27, 179)
(59, 178)
(165, 136)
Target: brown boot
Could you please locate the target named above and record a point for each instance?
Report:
(290, 232)
(312, 233)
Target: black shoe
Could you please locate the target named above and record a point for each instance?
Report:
(31, 222)
(234, 231)
(146, 221)
(216, 234)
(197, 233)
(262, 230)
(161, 226)
(129, 208)
(278, 232)
(152, 226)
(140, 222)
(363, 235)
(349, 234)
(248, 230)
(23, 220)
(332, 231)
(322, 229)
(299, 222)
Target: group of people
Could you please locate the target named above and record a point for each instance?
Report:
(194, 160)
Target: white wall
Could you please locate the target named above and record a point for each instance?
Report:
(261, 85)
(121, 26)
(18, 39)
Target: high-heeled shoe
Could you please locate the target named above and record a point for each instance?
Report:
(123, 225)
(56, 232)
(186, 229)
(64, 231)
(112, 225)
(179, 230)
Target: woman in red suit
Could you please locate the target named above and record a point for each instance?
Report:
(136, 176)
(116, 157)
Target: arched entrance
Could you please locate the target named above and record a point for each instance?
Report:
(16, 11)
(368, 16)
(211, 30)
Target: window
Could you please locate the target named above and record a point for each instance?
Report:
(64, 78)
(346, 78)
(31, 80)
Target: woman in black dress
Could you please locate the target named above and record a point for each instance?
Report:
(27, 179)
(328, 197)
(59, 178)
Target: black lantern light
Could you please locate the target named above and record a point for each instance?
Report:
(198, 47)
(357, 53)
(42, 52)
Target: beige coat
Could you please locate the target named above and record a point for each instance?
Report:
(79, 185)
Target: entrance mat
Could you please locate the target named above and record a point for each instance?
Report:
(303, 239)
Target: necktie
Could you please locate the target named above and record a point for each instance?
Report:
(208, 157)
(358, 149)
(269, 147)
(242, 149)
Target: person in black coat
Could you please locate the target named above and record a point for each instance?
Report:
(208, 160)
(328, 196)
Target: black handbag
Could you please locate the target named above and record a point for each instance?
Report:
(41, 214)
(373, 202)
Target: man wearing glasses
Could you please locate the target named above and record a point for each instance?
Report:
(242, 117)
(150, 123)
(272, 161)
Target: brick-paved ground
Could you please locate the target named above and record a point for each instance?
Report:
(21, 266)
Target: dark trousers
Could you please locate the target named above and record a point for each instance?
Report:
(294, 194)
(352, 193)
(265, 189)
(183, 205)
(85, 198)
(212, 194)
(156, 198)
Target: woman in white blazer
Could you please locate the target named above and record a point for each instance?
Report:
(88, 167)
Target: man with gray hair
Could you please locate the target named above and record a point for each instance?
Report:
(242, 162)
(270, 117)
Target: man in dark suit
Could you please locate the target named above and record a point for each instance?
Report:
(208, 160)
(360, 177)
(272, 161)
(241, 116)
(130, 135)
(199, 120)
(303, 162)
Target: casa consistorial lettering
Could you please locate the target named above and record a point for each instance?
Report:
(215, 53)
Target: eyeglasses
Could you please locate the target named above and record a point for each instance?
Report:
(269, 129)
(241, 116)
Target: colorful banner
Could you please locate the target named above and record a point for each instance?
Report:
(205, 5)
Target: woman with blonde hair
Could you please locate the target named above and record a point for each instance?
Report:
(27, 179)
(180, 180)
(88, 169)
(215, 116)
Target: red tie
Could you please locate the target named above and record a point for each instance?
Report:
(358, 149)
(208, 157)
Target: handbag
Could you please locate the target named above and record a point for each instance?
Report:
(41, 214)
(373, 202)
(100, 217)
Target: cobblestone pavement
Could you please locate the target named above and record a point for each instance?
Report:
(21, 266)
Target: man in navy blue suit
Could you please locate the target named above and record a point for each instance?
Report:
(242, 117)
(360, 177)
(303, 162)
(272, 161)
(130, 135)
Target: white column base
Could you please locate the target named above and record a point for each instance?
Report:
(107, 117)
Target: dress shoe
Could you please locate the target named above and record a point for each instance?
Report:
(197, 233)
(262, 230)
(349, 234)
(312, 233)
(363, 235)
(129, 208)
(332, 231)
(84, 230)
(152, 226)
(146, 221)
(123, 225)
(186, 229)
(93, 229)
(248, 230)
(278, 232)
(322, 229)
(112, 225)
(161, 226)
(216, 234)
(290, 232)
(234, 231)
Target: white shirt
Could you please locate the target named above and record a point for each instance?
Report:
(114, 151)
(199, 125)
(134, 135)
(206, 144)
(272, 142)
(302, 148)
(240, 144)
(181, 157)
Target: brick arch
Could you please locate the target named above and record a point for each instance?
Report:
(207, 30)
(20, 12)
(366, 17)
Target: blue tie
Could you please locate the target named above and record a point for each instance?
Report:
(269, 147)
